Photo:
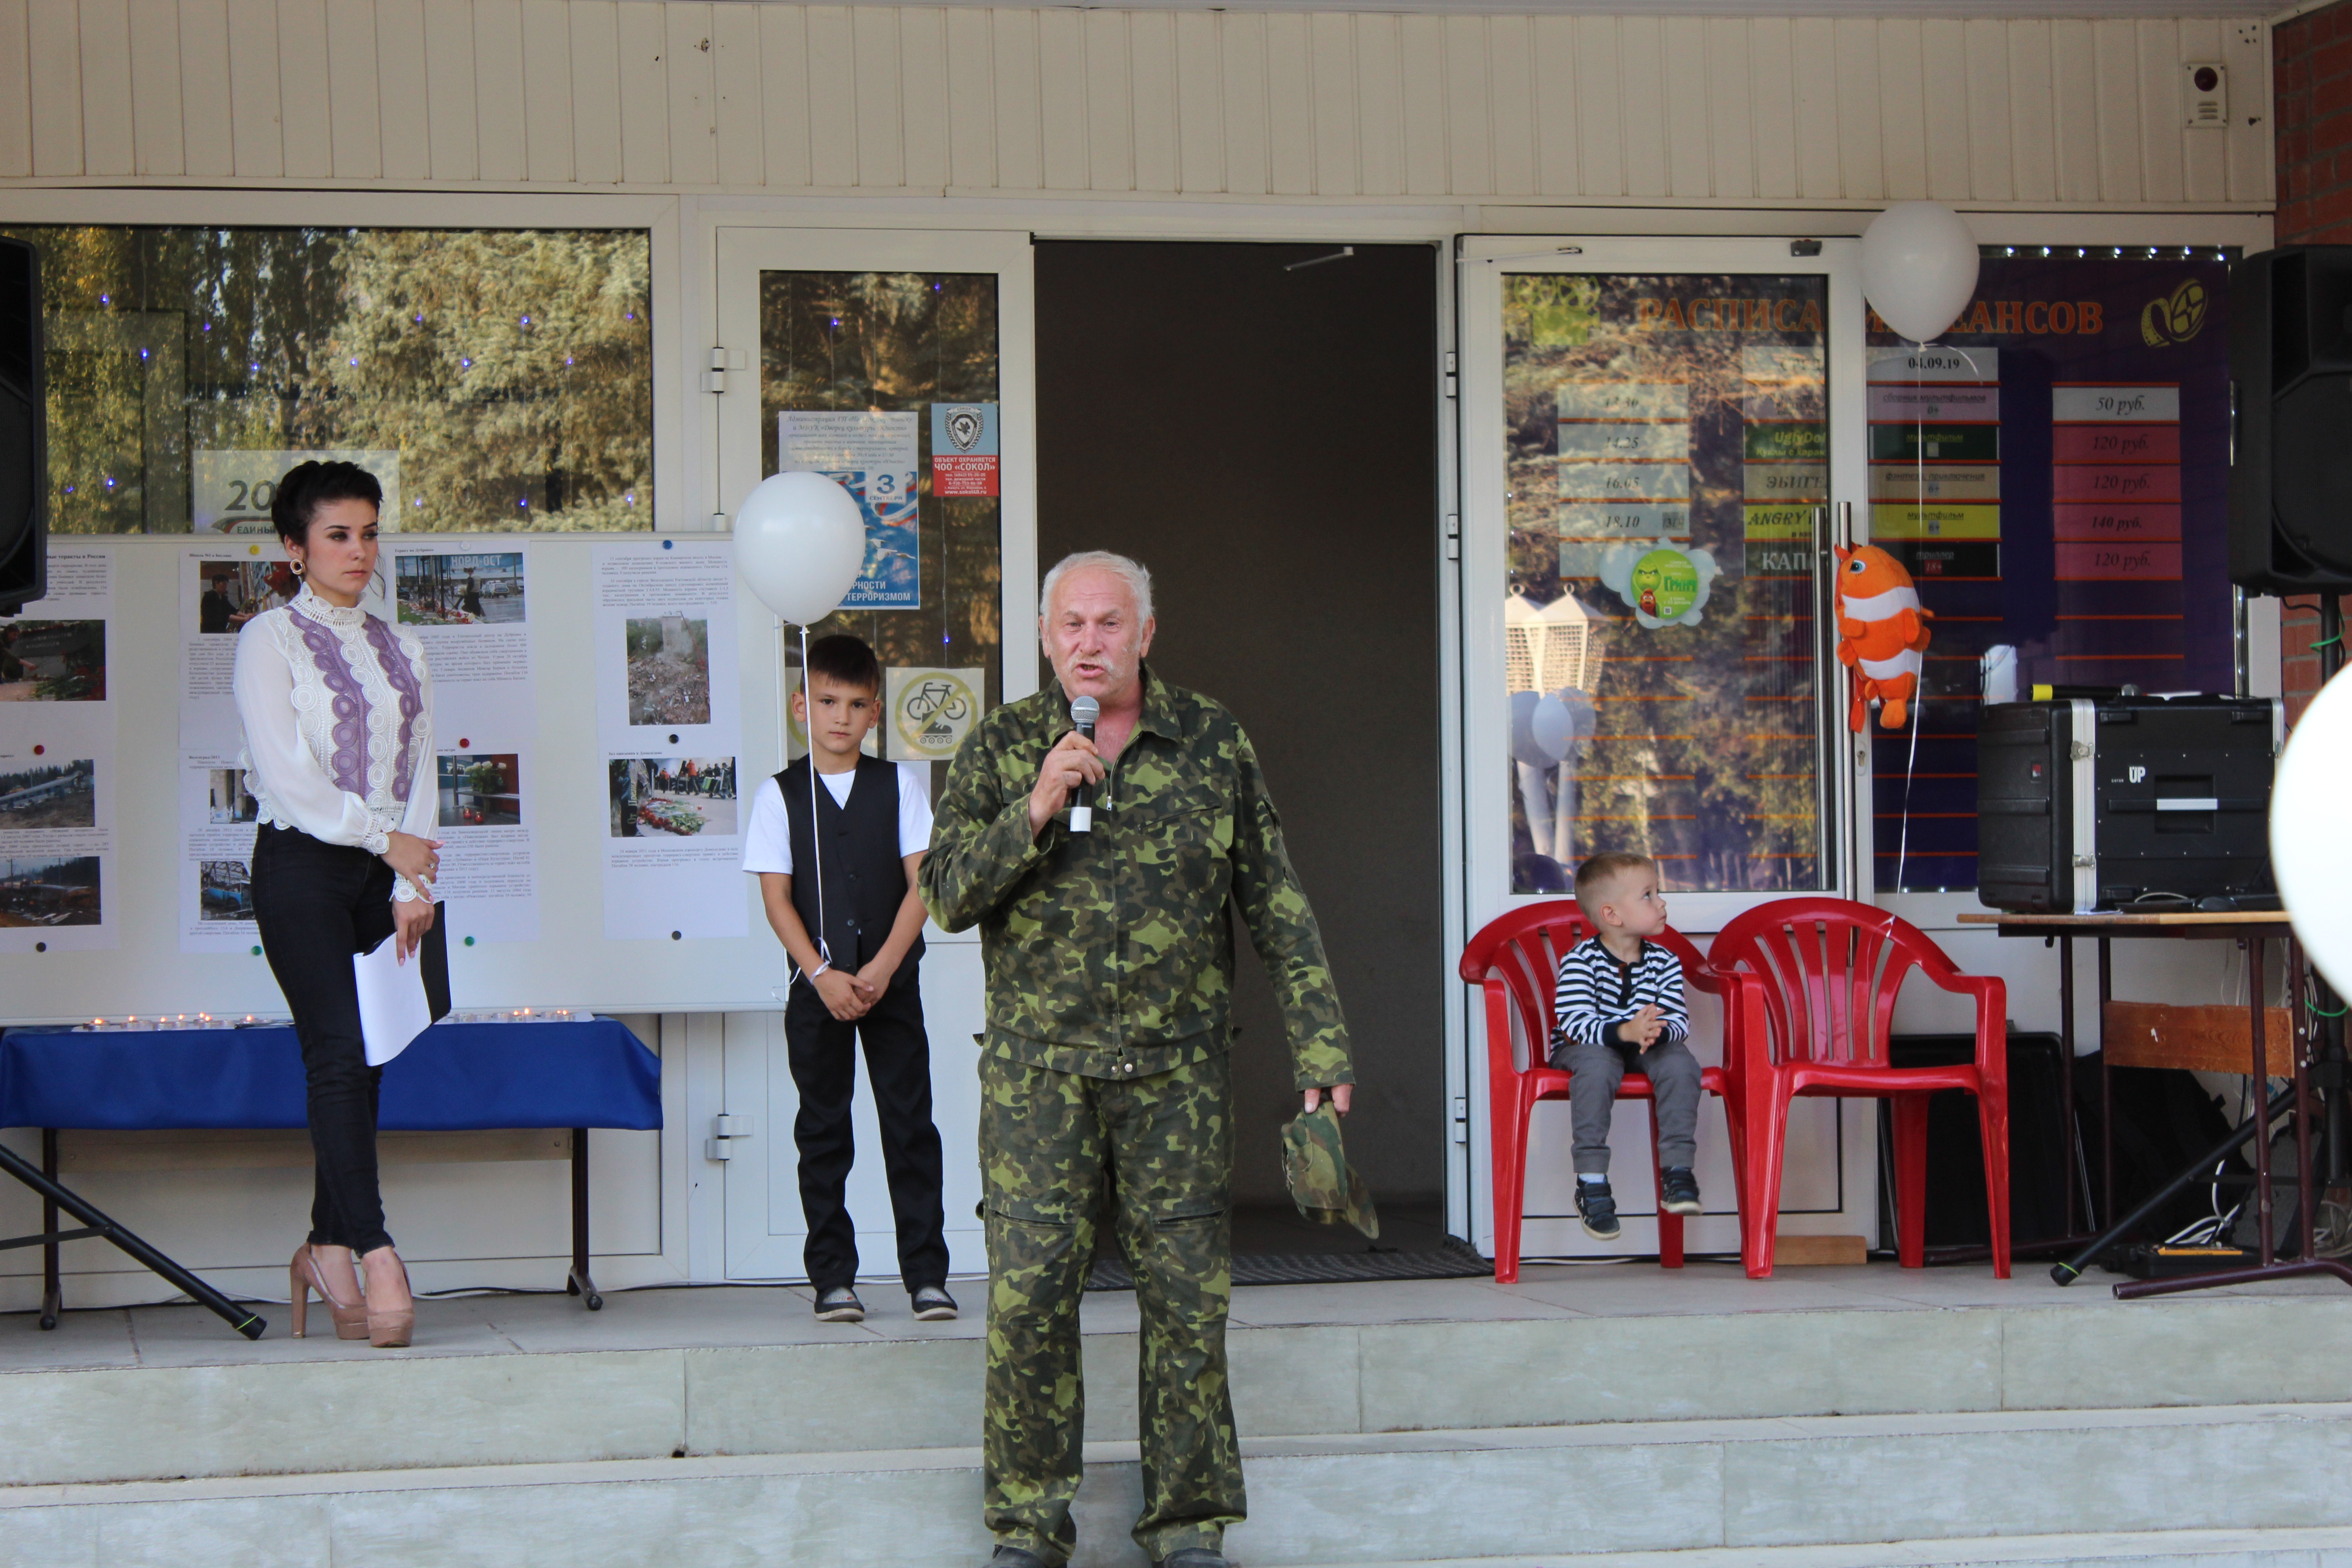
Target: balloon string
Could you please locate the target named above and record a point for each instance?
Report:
(816, 838)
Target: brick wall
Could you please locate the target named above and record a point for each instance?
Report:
(2311, 58)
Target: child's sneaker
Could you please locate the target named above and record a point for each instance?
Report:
(840, 1305)
(932, 1304)
(1678, 1191)
(1596, 1206)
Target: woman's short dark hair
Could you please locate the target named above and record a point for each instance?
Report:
(307, 487)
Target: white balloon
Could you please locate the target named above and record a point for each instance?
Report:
(799, 542)
(1918, 267)
(1524, 747)
(1559, 718)
(2311, 833)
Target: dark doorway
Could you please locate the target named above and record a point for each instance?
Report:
(1266, 441)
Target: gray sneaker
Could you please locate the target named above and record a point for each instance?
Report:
(840, 1305)
(932, 1304)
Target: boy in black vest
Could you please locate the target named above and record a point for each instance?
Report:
(857, 975)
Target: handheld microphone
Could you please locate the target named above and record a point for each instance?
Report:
(1084, 712)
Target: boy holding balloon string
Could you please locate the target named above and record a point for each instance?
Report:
(853, 930)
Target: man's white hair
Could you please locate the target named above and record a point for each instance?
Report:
(1128, 571)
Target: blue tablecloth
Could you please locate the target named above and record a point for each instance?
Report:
(454, 1077)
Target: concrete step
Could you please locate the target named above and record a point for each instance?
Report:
(2324, 1547)
(507, 1382)
(1908, 1490)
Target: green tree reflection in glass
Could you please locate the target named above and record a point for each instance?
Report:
(512, 370)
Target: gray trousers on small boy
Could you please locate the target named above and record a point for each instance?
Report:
(1592, 1095)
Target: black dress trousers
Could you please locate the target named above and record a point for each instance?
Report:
(822, 1050)
(317, 904)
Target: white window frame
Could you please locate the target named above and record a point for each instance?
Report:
(1484, 259)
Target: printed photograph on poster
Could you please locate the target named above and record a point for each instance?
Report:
(666, 668)
(231, 593)
(665, 634)
(64, 795)
(930, 711)
(488, 878)
(470, 611)
(480, 790)
(669, 669)
(217, 817)
(230, 491)
(224, 891)
(37, 892)
(875, 458)
(459, 590)
(57, 775)
(683, 797)
(230, 797)
(52, 662)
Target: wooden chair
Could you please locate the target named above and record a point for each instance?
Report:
(1515, 959)
(1827, 972)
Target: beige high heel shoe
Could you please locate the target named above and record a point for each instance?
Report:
(303, 1275)
(389, 1328)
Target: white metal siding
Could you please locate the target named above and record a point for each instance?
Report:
(563, 93)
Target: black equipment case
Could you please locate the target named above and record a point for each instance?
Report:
(2090, 804)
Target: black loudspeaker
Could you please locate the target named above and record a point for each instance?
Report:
(24, 431)
(1956, 1214)
(2290, 401)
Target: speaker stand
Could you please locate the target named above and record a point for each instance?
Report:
(2328, 1072)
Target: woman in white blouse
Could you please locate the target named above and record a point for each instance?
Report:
(338, 712)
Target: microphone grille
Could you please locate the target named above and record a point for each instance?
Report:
(1084, 709)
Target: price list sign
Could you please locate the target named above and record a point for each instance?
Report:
(1785, 452)
(2054, 473)
(1935, 460)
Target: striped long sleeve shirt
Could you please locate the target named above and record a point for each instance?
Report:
(1595, 993)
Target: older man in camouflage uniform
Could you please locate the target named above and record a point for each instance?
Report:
(1110, 964)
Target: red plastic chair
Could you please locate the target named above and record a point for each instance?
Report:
(1827, 972)
(1515, 959)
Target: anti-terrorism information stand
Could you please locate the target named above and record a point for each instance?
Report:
(571, 1075)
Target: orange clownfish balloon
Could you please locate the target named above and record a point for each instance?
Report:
(1882, 633)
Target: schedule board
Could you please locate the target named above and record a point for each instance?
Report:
(2054, 473)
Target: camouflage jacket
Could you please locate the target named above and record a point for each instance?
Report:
(1109, 954)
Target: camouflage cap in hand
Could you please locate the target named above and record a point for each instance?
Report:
(1322, 1183)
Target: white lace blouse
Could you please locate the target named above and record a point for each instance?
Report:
(338, 712)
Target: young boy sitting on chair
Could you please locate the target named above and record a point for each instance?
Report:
(855, 937)
(1619, 1002)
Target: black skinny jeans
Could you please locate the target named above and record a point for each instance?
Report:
(316, 905)
(822, 1051)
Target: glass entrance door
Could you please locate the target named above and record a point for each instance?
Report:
(1656, 436)
(1652, 531)
(900, 365)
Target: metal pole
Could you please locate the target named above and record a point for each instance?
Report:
(2329, 1005)
(2106, 1086)
(52, 1287)
(2258, 972)
(2066, 1273)
(220, 1306)
(2307, 1214)
(2066, 1073)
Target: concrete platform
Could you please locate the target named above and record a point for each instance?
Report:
(1581, 1413)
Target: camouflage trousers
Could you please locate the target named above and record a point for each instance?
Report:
(1046, 1140)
